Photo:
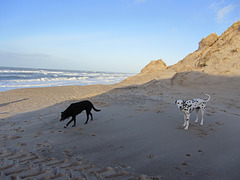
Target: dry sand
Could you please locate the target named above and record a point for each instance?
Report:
(137, 135)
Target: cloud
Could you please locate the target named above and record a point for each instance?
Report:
(223, 12)
(216, 5)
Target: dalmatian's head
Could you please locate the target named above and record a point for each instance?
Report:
(179, 103)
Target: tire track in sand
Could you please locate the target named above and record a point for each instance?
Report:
(29, 165)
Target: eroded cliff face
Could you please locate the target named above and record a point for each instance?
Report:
(154, 66)
(154, 70)
(216, 55)
(208, 41)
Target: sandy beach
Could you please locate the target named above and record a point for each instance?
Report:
(137, 135)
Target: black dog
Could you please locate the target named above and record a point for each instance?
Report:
(76, 108)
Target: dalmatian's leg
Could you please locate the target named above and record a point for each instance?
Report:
(187, 121)
(202, 110)
(197, 111)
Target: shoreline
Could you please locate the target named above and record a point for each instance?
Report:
(17, 78)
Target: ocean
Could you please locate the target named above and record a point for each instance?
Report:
(15, 78)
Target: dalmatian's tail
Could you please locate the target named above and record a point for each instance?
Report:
(209, 97)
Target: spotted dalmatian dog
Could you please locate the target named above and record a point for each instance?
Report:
(188, 106)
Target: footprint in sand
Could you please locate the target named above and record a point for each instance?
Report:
(121, 147)
(38, 134)
(13, 124)
(44, 144)
(68, 153)
(150, 156)
(178, 168)
(28, 122)
(220, 124)
(184, 164)
(9, 137)
(21, 144)
(43, 147)
(20, 129)
(188, 173)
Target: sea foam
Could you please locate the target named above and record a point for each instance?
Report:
(14, 78)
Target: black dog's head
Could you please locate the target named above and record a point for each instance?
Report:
(64, 116)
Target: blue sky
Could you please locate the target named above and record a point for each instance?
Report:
(107, 35)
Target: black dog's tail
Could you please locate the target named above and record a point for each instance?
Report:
(97, 110)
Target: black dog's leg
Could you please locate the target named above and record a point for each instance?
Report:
(91, 115)
(74, 122)
(73, 119)
(68, 123)
(87, 112)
